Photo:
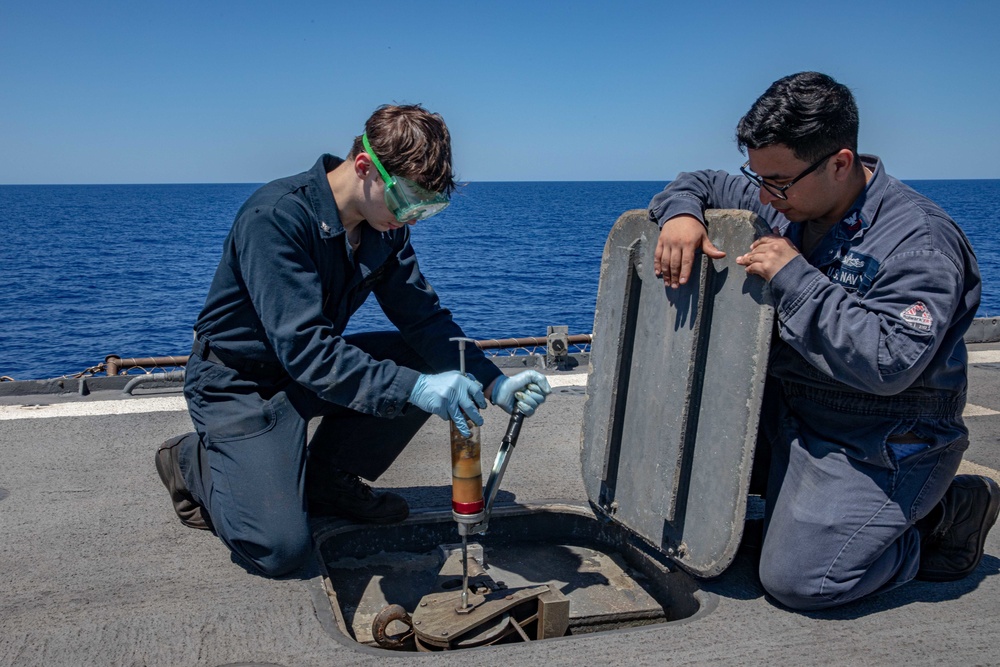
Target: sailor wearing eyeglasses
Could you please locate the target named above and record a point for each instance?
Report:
(270, 352)
(873, 287)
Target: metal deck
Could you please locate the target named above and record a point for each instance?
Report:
(96, 570)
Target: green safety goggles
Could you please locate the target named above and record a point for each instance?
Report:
(408, 201)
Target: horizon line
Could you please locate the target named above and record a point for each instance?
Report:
(619, 180)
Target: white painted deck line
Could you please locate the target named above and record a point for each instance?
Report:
(978, 411)
(568, 380)
(177, 404)
(984, 357)
(165, 404)
(94, 408)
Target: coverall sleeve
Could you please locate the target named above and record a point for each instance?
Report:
(287, 293)
(866, 343)
(411, 304)
(693, 192)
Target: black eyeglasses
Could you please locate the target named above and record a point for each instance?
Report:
(779, 190)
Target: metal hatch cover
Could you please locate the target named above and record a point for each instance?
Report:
(674, 392)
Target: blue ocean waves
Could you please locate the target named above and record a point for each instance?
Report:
(94, 270)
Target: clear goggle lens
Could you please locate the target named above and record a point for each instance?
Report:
(409, 202)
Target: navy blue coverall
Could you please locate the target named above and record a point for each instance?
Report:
(866, 432)
(270, 354)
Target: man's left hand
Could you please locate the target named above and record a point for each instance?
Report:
(768, 255)
(525, 391)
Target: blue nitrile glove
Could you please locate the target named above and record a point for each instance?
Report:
(526, 391)
(450, 395)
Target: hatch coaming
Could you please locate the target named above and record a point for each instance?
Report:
(610, 577)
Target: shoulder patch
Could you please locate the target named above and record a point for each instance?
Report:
(918, 317)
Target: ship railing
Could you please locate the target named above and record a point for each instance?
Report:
(555, 347)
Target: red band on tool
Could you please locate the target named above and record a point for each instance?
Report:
(468, 508)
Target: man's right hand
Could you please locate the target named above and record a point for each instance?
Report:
(450, 395)
(680, 239)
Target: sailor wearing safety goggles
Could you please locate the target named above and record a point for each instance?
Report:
(270, 351)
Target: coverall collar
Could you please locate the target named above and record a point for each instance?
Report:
(328, 218)
(860, 216)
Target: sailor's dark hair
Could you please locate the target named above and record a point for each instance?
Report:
(809, 112)
(410, 142)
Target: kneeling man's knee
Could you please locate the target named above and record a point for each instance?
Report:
(792, 588)
(279, 554)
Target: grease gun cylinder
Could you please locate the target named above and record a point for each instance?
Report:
(466, 476)
(466, 468)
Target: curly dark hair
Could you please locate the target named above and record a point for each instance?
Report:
(411, 142)
(809, 112)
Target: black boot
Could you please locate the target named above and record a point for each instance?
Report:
(953, 547)
(188, 511)
(339, 493)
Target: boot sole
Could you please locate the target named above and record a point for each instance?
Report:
(164, 464)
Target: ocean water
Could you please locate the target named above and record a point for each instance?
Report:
(95, 270)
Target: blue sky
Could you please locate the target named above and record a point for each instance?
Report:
(175, 92)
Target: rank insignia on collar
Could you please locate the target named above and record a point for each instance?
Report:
(853, 225)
